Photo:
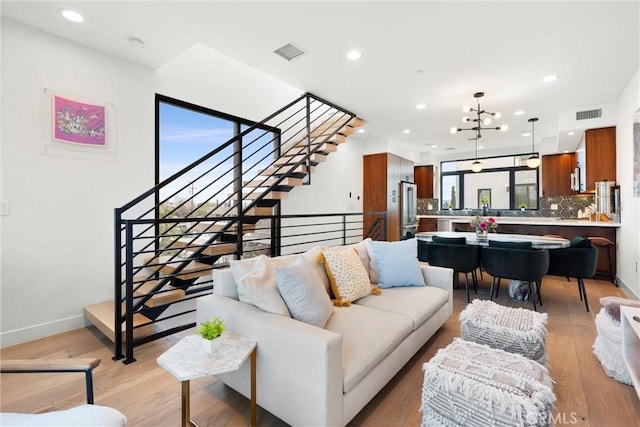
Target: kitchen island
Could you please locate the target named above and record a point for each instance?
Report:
(567, 228)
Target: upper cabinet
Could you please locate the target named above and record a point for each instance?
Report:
(600, 156)
(556, 174)
(423, 177)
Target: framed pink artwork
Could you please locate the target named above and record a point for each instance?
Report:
(80, 123)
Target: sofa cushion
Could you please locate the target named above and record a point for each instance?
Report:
(349, 280)
(397, 263)
(259, 287)
(368, 336)
(416, 303)
(361, 250)
(303, 292)
(312, 255)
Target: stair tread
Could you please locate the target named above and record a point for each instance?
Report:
(169, 295)
(101, 316)
(193, 270)
(211, 249)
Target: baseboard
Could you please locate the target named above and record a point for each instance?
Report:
(41, 330)
(626, 289)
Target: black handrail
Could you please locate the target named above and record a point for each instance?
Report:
(136, 237)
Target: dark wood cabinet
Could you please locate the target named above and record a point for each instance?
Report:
(423, 177)
(600, 156)
(382, 174)
(556, 174)
(427, 224)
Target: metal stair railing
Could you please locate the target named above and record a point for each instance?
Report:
(160, 227)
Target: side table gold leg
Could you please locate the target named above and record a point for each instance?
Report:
(253, 388)
(186, 406)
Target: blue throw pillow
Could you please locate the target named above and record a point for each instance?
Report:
(397, 263)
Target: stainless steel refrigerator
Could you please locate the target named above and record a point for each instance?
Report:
(408, 209)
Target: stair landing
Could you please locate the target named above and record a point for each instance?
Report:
(101, 316)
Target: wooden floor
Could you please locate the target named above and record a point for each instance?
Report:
(150, 396)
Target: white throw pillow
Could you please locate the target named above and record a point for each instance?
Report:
(373, 266)
(303, 292)
(312, 255)
(397, 263)
(259, 287)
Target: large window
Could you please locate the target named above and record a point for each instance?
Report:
(187, 132)
(504, 183)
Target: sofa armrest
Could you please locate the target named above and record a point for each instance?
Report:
(298, 366)
(440, 277)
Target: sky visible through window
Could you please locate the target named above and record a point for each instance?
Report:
(187, 135)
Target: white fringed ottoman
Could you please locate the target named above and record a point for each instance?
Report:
(608, 347)
(516, 330)
(473, 385)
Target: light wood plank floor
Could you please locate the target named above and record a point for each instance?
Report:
(150, 396)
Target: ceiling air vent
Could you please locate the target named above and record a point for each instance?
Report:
(450, 148)
(589, 114)
(289, 51)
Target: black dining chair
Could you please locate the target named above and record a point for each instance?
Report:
(578, 262)
(517, 264)
(461, 258)
(422, 245)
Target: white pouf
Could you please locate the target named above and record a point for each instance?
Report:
(515, 330)
(468, 384)
(608, 347)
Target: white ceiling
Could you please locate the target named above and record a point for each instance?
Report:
(437, 53)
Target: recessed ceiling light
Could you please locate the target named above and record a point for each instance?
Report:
(526, 133)
(480, 147)
(565, 151)
(434, 146)
(549, 78)
(421, 106)
(71, 15)
(518, 113)
(354, 55)
(406, 131)
(571, 133)
(361, 130)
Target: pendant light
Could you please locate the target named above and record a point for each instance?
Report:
(533, 161)
(476, 166)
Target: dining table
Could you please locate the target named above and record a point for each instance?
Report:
(538, 242)
(517, 290)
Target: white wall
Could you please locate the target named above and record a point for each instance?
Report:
(336, 185)
(57, 242)
(628, 236)
(205, 77)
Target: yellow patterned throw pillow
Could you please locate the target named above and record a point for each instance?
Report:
(349, 280)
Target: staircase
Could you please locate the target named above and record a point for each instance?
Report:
(170, 238)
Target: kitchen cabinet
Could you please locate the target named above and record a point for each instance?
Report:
(423, 176)
(382, 174)
(599, 157)
(427, 224)
(556, 174)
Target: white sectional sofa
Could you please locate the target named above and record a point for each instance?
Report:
(323, 376)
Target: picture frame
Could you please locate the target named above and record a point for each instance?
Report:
(484, 194)
(77, 127)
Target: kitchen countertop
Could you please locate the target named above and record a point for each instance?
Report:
(530, 220)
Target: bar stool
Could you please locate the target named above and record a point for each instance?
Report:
(601, 242)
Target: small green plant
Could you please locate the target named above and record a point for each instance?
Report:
(211, 329)
(523, 206)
